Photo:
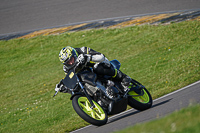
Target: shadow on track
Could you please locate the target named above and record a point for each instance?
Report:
(135, 112)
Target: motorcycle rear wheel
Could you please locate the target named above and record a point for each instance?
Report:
(140, 102)
(96, 116)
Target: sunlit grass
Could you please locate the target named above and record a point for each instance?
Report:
(163, 58)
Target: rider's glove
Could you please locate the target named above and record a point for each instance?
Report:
(58, 87)
(106, 63)
(88, 57)
(61, 88)
(81, 59)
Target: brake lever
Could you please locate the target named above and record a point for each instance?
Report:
(55, 94)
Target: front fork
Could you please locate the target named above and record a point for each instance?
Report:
(86, 94)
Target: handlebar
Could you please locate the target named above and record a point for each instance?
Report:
(77, 63)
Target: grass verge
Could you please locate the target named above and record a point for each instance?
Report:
(164, 58)
(184, 121)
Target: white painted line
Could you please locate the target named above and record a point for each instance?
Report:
(153, 101)
(80, 129)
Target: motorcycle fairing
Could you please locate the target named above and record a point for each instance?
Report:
(117, 106)
(70, 80)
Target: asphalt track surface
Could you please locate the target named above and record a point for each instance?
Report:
(26, 15)
(161, 107)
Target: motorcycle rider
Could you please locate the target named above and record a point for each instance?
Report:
(88, 57)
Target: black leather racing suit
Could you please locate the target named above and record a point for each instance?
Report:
(98, 61)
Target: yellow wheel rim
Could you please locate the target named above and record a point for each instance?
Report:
(96, 113)
(142, 99)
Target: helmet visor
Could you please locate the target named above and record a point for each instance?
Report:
(70, 62)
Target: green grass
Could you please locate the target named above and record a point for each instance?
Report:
(164, 58)
(184, 121)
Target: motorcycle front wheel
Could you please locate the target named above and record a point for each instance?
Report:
(140, 102)
(96, 116)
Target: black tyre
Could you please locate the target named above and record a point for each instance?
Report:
(140, 102)
(96, 116)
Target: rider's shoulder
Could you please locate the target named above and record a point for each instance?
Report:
(83, 49)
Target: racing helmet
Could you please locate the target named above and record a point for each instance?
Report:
(68, 56)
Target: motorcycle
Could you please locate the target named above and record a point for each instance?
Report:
(95, 97)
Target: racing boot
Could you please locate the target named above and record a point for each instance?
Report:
(123, 78)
